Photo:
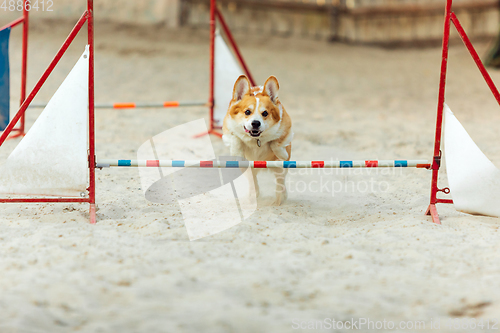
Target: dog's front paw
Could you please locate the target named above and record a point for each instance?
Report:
(235, 145)
(280, 152)
(227, 140)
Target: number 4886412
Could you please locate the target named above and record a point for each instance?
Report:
(29, 5)
(472, 324)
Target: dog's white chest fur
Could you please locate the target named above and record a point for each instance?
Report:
(253, 152)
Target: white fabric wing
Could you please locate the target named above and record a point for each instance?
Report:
(227, 71)
(474, 180)
(52, 158)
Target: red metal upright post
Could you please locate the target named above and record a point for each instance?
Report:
(25, 63)
(436, 162)
(90, 25)
(211, 99)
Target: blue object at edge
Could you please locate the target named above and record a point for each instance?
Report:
(4, 79)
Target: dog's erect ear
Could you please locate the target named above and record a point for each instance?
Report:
(271, 88)
(241, 88)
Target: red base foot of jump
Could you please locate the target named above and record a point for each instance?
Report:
(16, 133)
(92, 214)
(432, 211)
(213, 132)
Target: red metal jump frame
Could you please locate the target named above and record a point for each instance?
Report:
(450, 17)
(215, 13)
(17, 132)
(88, 16)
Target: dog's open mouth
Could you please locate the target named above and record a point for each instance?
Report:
(253, 133)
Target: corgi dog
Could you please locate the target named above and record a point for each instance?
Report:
(257, 128)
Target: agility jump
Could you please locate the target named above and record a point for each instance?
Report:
(450, 17)
(88, 195)
(47, 195)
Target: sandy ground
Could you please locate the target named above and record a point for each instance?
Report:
(347, 255)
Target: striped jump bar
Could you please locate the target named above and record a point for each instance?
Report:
(170, 104)
(106, 163)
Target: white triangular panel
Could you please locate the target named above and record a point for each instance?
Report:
(227, 71)
(473, 179)
(52, 158)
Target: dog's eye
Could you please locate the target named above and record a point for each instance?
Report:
(248, 112)
(265, 114)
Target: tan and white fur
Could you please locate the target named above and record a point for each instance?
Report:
(257, 128)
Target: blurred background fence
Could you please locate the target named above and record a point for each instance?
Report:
(385, 22)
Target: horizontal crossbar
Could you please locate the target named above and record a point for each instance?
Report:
(106, 163)
(169, 104)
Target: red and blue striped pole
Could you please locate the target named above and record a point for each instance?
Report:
(107, 163)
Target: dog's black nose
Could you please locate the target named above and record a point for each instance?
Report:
(255, 124)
